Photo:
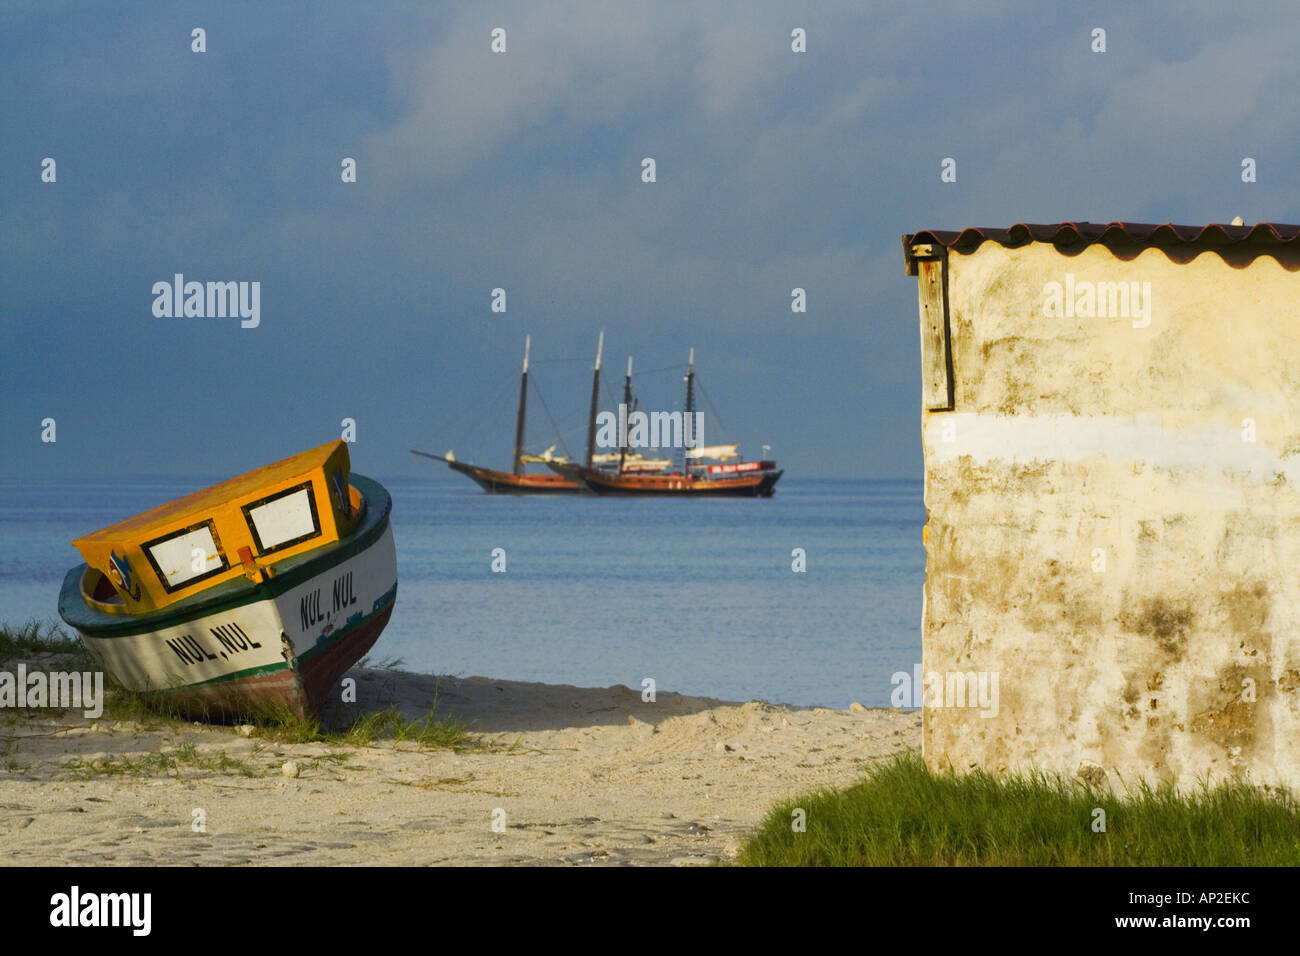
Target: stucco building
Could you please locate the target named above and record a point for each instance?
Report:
(1111, 423)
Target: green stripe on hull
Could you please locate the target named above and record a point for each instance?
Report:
(382, 604)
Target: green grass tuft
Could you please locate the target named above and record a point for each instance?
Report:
(903, 815)
(427, 731)
(389, 724)
(36, 637)
(387, 664)
(149, 710)
(173, 763)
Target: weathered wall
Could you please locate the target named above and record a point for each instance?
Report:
(1069, 435)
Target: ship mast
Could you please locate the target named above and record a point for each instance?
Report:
(627, 405)
(595, 398)
(690, 407)
(523, 402)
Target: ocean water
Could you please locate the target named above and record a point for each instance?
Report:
(697, 595)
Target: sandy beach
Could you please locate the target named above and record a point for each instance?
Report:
(570, 775)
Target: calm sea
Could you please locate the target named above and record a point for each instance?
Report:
(698, 595)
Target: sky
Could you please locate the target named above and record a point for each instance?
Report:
(522, 170)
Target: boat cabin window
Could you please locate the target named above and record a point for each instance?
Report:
(283, 519)
(183, 557)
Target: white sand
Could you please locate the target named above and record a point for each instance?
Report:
(583, 776)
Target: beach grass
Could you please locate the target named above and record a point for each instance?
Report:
(36, 637)
(148, 710)
(173, 762)
(902, 814)
(387, 664)
(427, 731)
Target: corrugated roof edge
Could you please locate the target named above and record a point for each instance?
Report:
(1236, 245)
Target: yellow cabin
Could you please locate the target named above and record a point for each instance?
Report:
(237, 528)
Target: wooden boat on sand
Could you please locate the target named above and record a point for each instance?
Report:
(253, 596)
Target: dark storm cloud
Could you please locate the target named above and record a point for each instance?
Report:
(521, 170)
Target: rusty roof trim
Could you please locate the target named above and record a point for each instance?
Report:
(1236, 245)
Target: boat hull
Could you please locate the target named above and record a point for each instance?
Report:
(271, 648)
(279, 692)
(507, 483)
(757, 486)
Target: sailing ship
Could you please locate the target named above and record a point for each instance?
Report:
(517, 481)
(253, 596)
(701, 471)
(696, 476)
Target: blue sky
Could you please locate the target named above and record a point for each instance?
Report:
(522, 171)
